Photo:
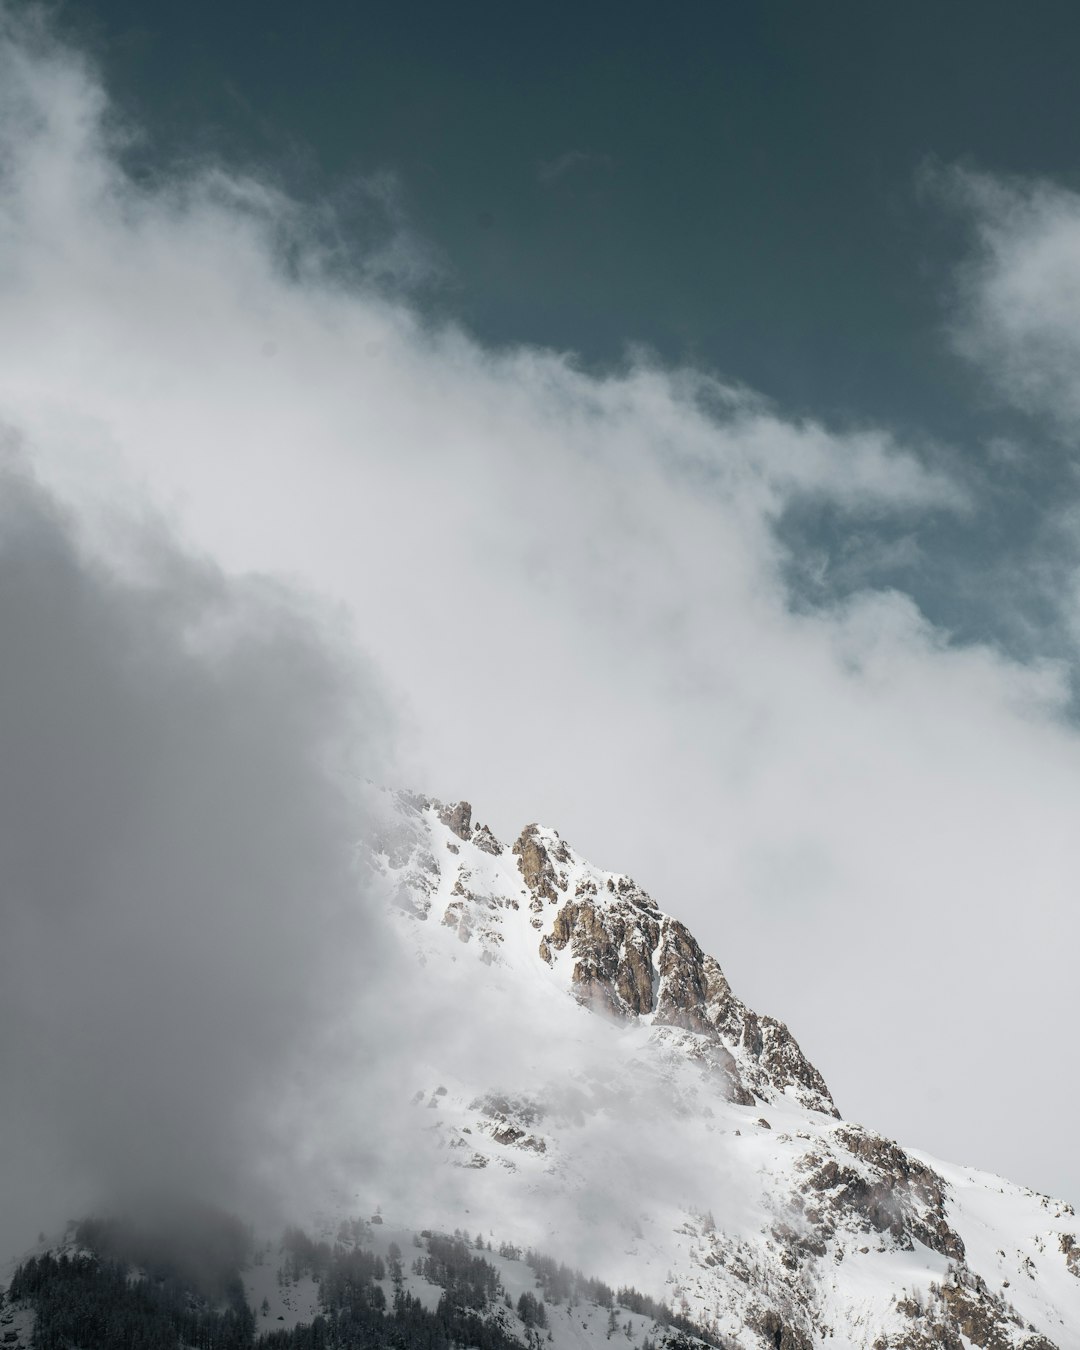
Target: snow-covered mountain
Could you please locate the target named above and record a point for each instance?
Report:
(640, 1120)
(569, 1130)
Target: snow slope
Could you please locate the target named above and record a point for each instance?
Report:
(605, 1097)
(574, 1075)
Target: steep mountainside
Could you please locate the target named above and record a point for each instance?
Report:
(556, 1079)
(688, 1137)
(349, 1285)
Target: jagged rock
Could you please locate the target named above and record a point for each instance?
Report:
(536, 866)
(631, 961)
(901, 1197)
(612, 956)
(486, 841)
(457, 816)
(843, 1197)
(780, 1335)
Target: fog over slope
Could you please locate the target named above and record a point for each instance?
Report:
(183, 929)
(576, 590)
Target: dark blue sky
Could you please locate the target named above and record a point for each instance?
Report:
(568, 586)
(730, 183)
(734, 185)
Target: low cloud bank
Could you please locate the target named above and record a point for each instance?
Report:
(577, 587)
(182, 922)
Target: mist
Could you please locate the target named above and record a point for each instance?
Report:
(182, 921)
(206, 1005)
(576, 590)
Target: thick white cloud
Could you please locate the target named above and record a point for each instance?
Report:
(575, 585)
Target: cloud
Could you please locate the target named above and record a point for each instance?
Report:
(577, 586)
(181, 916)
(1019, 290)
(1015, 321)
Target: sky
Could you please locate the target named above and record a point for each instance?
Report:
(663, 428)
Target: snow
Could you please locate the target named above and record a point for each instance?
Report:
(289, 1302)
(572, 1326)
(611, 1148)
(1012, 1235)
(637, 1142)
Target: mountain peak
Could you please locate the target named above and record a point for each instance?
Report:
(678, 1103)
(615, 950)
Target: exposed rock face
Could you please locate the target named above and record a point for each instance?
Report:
(895, 1194)
(961, 1312)
(771, 1325)
(458, 818)
(612, 956)
(536, 866)
(832, 1194)
(630, 960)
(624, 958)
(486, 842)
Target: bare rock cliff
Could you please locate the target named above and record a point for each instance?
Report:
(840, 1205)
(630, 960)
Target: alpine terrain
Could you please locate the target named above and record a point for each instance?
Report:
(701, 1148)
(598, 1143)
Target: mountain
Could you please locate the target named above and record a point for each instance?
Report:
(355, 1285)
(689, 1136)
(571, 1131)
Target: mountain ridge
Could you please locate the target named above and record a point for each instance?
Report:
(574, 1074)
(825, 1195)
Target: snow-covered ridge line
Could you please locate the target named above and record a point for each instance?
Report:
(610, 945)
(579, 1079)
(754, 1207)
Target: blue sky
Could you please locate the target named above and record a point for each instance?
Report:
(735, 185)
(761, 191)
(678, 417)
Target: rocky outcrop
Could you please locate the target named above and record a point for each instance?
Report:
(960, 1312)
(630, 961)
(626, 959)
(457, 817)
(833, 1195)
(880, 1189)
(537, 865)
(612, 954)
(778, 1333)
